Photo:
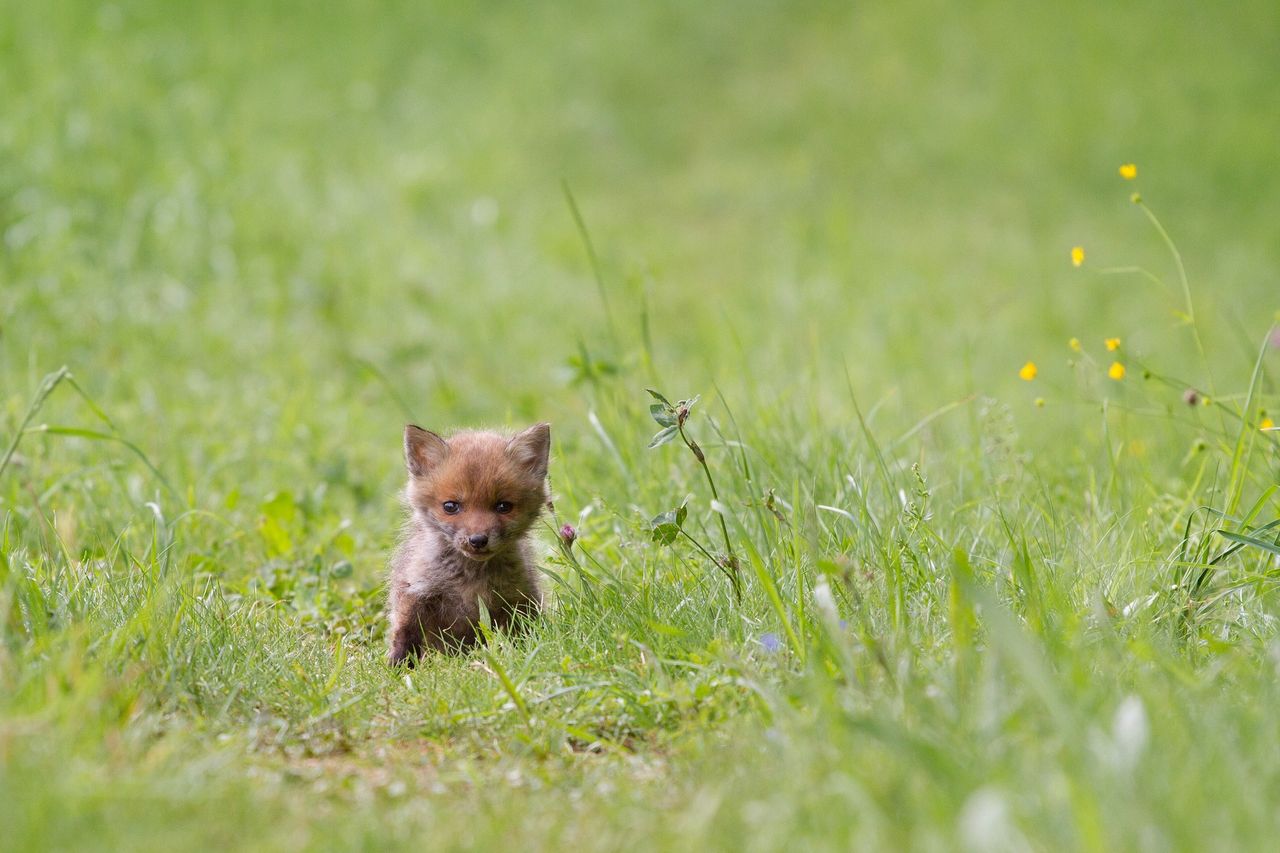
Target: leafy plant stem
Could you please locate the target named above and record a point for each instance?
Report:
(731, 558)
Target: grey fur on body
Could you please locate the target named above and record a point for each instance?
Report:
(436, 592)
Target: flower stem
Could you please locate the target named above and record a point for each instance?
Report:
(731, 559)
(1186, 288)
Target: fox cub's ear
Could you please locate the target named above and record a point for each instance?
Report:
(531, 447)
(423, 450)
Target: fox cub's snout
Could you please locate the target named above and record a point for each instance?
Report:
(472, 498)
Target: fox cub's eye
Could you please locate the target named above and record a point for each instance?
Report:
(451, 507)
(503, 507)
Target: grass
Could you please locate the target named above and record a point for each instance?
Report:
(261, 237)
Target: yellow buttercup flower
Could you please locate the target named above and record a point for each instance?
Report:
(1028, 371)
(1128, 171)
(1074, 343)
(1267, 423)
(1113, 344)
(1116, 371)
(1077, 255)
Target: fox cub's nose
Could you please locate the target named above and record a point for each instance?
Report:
(478, 540)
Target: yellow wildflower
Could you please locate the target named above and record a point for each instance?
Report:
(1113, 344)
(1267, 423)
(1116, 371)
(1077, 255)
(1074, 343)
(1028, 371)
(1128, 171)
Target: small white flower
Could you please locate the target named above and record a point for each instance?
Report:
(1129, 732)
(825, 601)
(985, 823)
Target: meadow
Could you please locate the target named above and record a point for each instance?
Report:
(1003, 514)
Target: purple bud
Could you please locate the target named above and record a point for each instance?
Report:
(771, 642)
(568, 535)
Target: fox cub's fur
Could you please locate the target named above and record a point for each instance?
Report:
(472, 500)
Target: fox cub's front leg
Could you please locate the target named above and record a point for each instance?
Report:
(430, 622)
(414, 620)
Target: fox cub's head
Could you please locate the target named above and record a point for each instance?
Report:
(482, 491)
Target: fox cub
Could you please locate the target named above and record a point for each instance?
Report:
(472, 500)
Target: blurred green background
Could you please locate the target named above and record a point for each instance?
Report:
(219, 209)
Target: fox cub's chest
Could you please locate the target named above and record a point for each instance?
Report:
(498, 595)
